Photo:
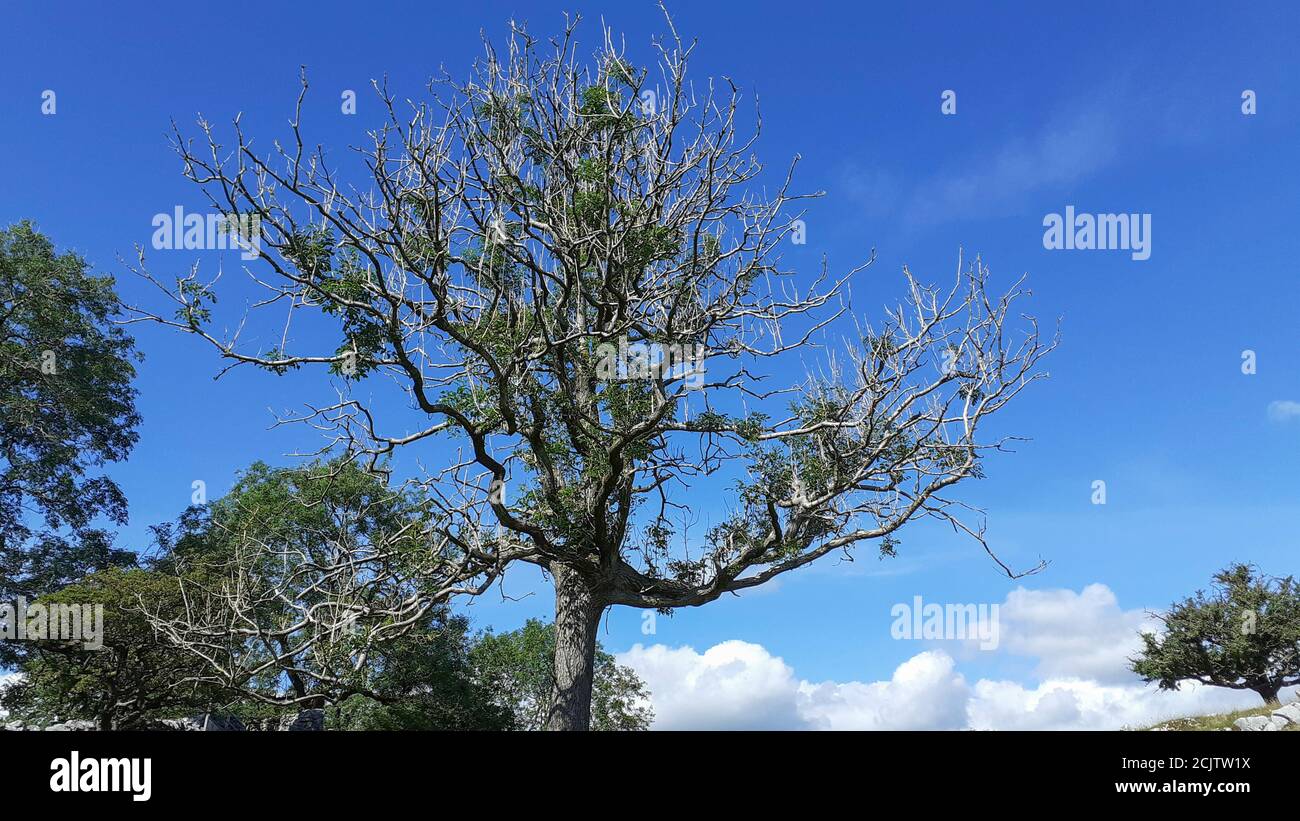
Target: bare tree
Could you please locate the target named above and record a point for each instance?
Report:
(564, 266)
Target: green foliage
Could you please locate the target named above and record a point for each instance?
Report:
(1244, 634)
(517, 667)
(504, 116)
(197, 300)
(491, 264)
(277, 522)
(66, 407)
(420, 680)
(474, 402)
(601, 106)
(423, 681)
(311, 250)
(65, 386)
(134, 677)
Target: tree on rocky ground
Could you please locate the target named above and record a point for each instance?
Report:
(1244, 634)
(569, 274)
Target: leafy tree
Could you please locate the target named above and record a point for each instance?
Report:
(517, 668)
(134, 677)
(291, 542)
(510, 242)
(297, 518)
(66, 407)
(424, 680)
(1244, 634)
(306, 524)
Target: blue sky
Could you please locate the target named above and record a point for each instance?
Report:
(1108, 107)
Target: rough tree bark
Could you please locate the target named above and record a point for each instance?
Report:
(1268, 692)
(577, 613)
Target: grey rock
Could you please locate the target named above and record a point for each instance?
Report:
(75, 725)
(308, 720)
(1290, 713)
(205, 722)
(223, 724)
(156, 725)
(179, 724)
(1252, 723)
(1275, 723)
(1265, 724)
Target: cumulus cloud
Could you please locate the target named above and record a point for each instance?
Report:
(1073, 635)
(732, 685)
(925, 693)
(1081, 642)
(1079, 704)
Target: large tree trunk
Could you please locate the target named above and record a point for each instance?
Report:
(1268, 692)
(577, 613)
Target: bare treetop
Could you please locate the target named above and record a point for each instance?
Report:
(570, 269)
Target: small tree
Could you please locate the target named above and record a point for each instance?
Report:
(1244, 635)
(426, 681)
(518, 668)
(289, 542)
(134, 677)
(324, 542)
(570, 275)
(421, 681)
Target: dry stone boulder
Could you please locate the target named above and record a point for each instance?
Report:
(308, 720)
(1290, 713)
(75, 725)
(1260, 723)
(205, 722)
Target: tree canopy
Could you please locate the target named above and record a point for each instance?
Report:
(571, 270)
(136, 676)
(67, 407)
(1243, 634)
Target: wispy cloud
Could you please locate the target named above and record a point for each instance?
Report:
(1283, 410)
(1078, 139)
(1077, 143)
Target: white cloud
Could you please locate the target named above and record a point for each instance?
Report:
(1079, 704)
(1073, 635)
(1081, 642)
(1283, 410)
(925, 693)
(732, 685)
